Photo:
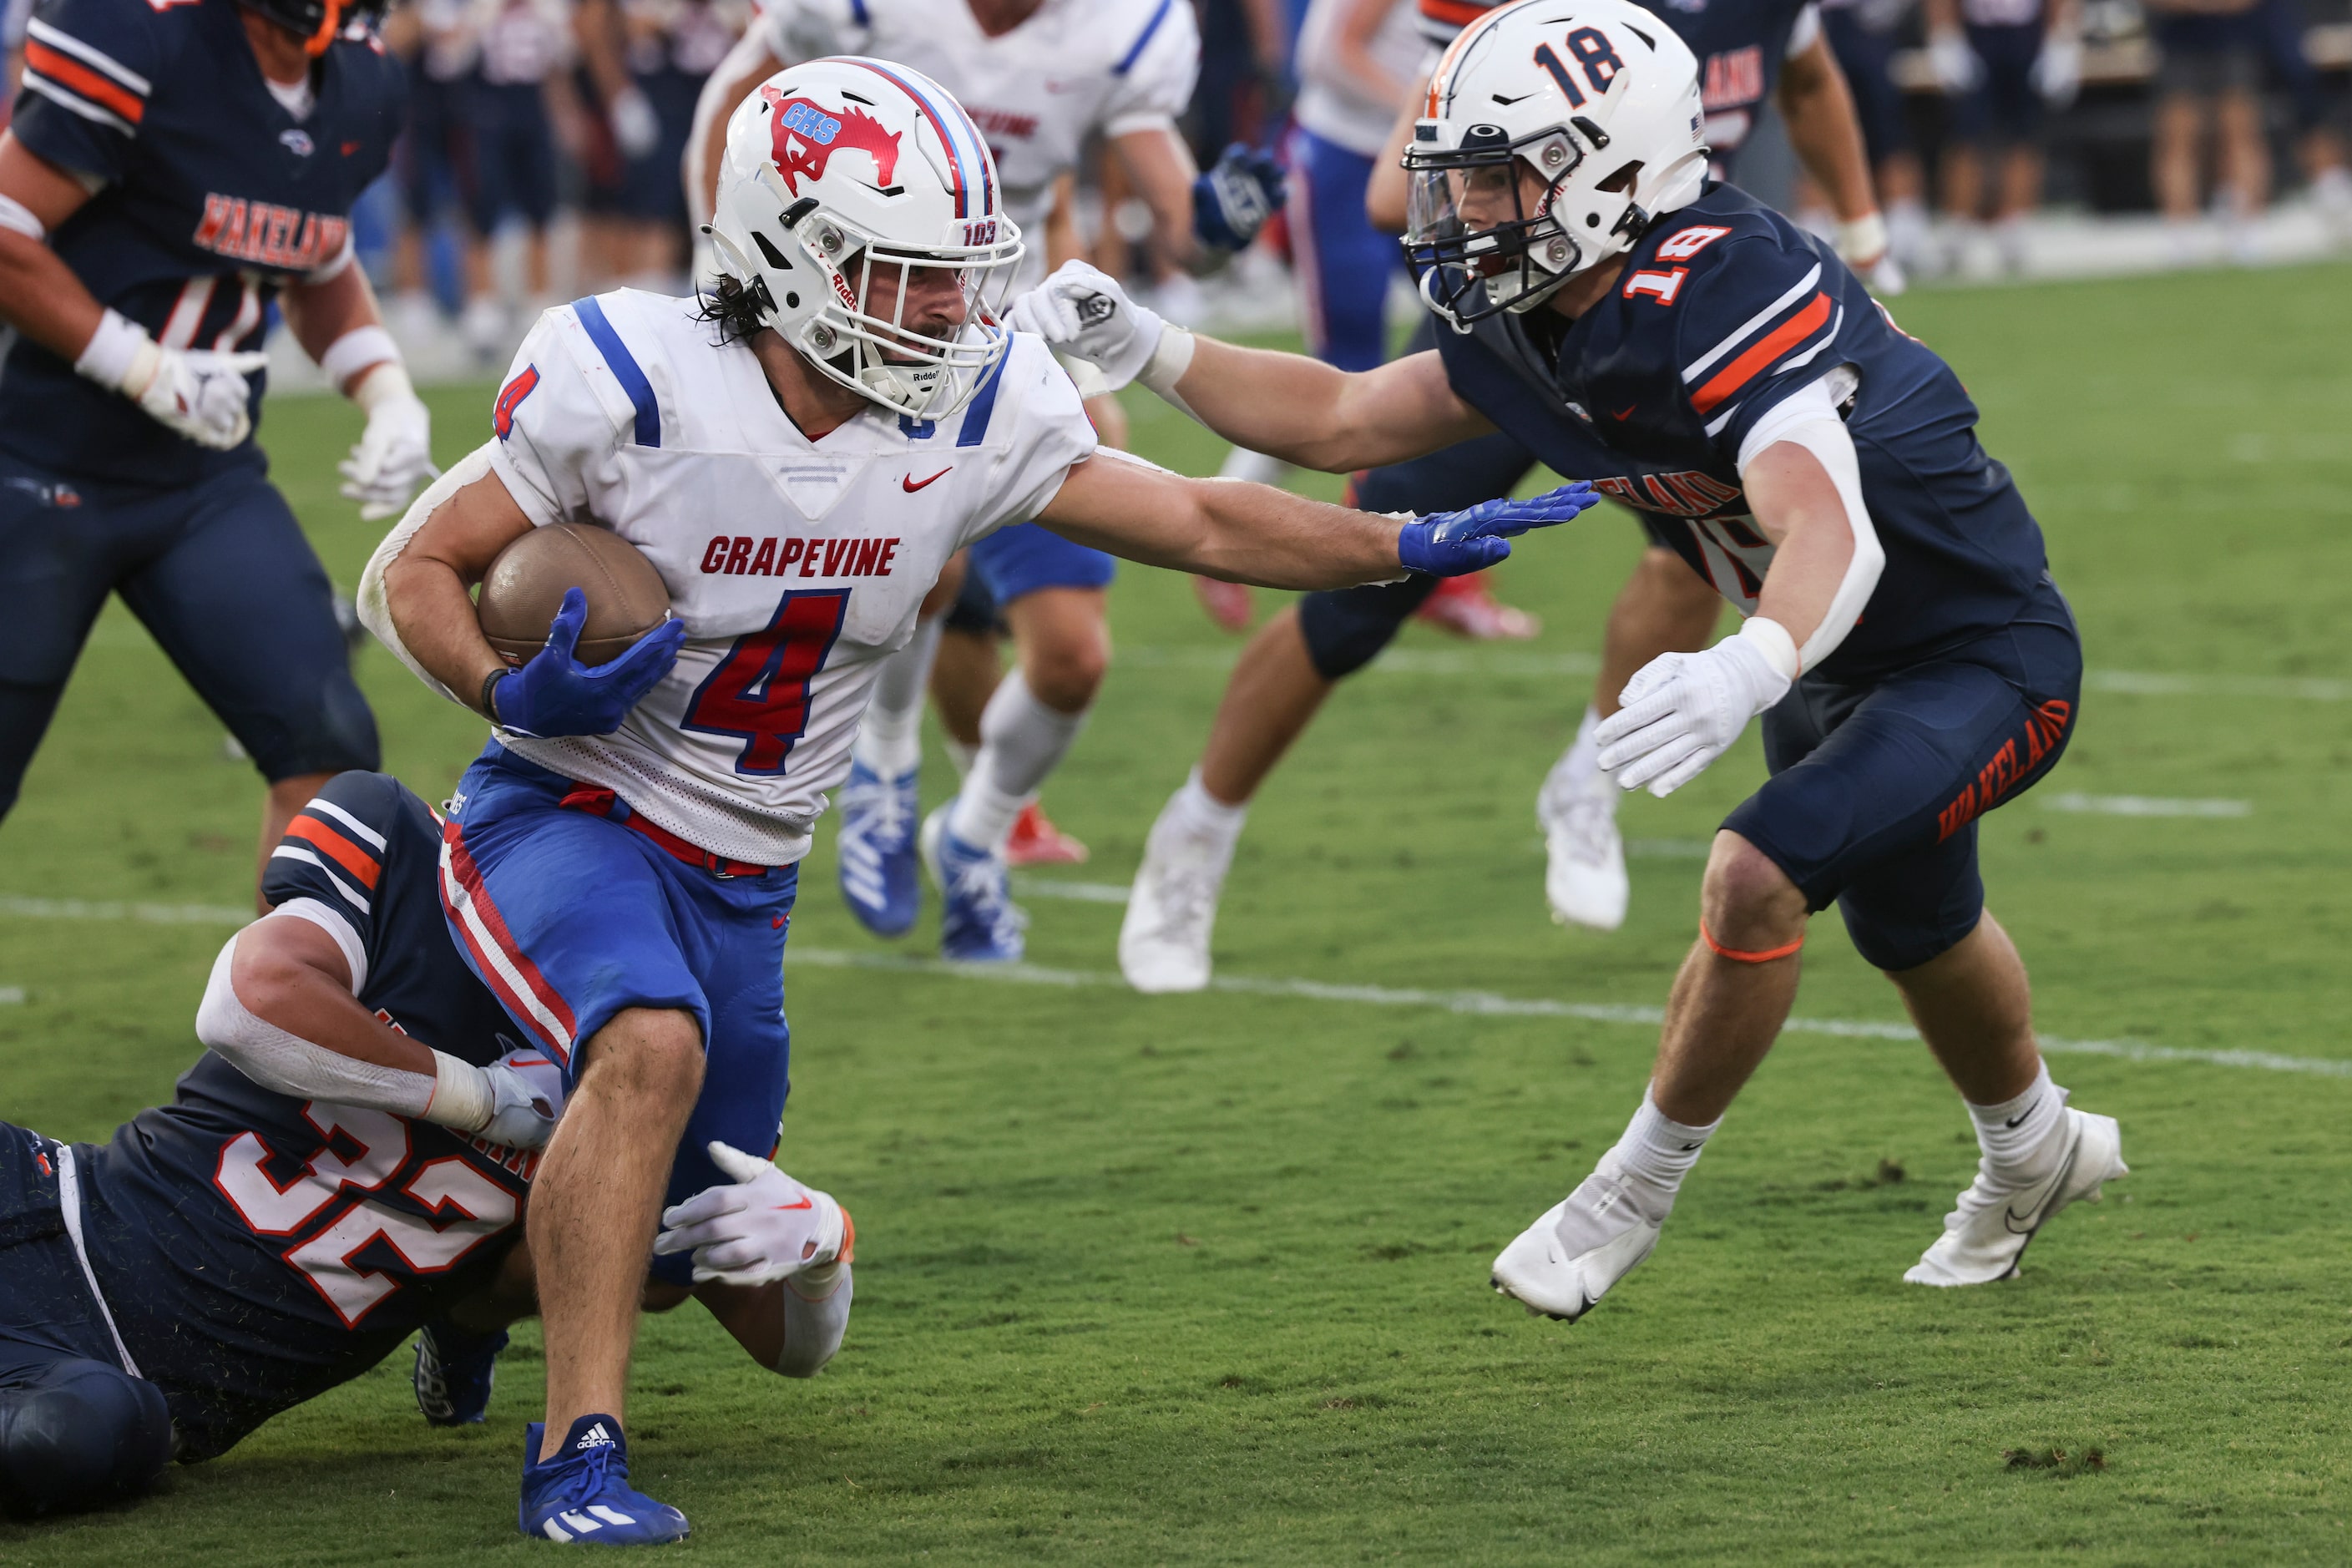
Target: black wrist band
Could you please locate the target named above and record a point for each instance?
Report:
(483, 700)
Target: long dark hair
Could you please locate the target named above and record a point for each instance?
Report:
(738, 310)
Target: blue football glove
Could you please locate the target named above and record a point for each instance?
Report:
(1232, 202)
(555, 694)
(1456, 543)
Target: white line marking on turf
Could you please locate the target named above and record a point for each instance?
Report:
(1077, 892)
(2144, 805)
(12, 995)
(155, 914)
(1486, 1003)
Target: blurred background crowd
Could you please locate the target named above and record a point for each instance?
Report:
(542, 154)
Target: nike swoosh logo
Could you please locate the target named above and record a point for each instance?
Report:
(2014, 1121)
(1626, 412)
(804, 1204)
(911, 484)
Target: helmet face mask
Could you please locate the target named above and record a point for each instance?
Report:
(1543, 124)
(885, 271)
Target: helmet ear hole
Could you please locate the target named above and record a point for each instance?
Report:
(1621, 182)
(775, 257)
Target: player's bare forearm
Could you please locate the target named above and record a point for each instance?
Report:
(290, 974)
(1308, 413)
(1222, 527)
(1162, 169)
(319, 313)
(39, 295)
(1823, 132)
(1798, 506)
(427, 587)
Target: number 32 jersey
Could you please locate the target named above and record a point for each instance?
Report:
(796, 564)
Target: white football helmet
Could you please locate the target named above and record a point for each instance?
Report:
(1598, 99)
(858, 198)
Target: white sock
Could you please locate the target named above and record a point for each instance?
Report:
(890, 735)
(2015, 1133)
(1659, 1150)
(1582, 763)
(960, 754)
(1199, 814)
(1021, 741)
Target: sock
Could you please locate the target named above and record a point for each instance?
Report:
(1582, 763)
(1661, 1151)
(890, 735)
(2014, 1132)
(961, 754)
(1021, 742)
(1199, 814)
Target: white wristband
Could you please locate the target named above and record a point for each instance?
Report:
(359, 350)
(1773, 641)
(113, 350)
(461, 1095)
(17, 218)
(1171, 358)
(1862, 239)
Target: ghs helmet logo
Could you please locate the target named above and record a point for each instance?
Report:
(805, 137)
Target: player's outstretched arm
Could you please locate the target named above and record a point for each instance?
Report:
(1256, 534)
(1286, 405)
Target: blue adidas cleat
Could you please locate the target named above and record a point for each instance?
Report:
(583, 1493)
(877, 847)
(979, 922)
(455, 1369)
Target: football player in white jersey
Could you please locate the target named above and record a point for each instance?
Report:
(1039, 77)
(798, 453)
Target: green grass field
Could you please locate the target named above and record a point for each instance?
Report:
(1203, 1279)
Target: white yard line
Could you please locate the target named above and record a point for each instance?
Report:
(1486, 1003)
(12, 995)
(1077, 892)
(153, 914)
(2142, 806)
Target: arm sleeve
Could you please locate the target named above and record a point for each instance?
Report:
(1808, 418)
(278, 1060)
(1754, 324)
(556, 421)
(89, 68)
(1046, 434)
(1152, 83)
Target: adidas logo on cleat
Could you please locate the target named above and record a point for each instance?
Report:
(596, 1437)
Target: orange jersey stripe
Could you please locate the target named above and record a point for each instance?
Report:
(1455, 13)
(66, 71)
(1749, 365)
(342, 850)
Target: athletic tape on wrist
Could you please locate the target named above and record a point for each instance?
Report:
(1773, 641)
(17, 218)
(462, 1097)
(1738, 955)
(1862, 239)
(112, 350)
(359, 350)
(1171, 358)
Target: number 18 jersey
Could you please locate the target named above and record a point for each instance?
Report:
(796, 564)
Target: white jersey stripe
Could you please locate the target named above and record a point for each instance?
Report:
(296, 852)
(73, 103)
(37, 28)
(514, 988)
(360, 830)
(1829, 336)
(1747, 328)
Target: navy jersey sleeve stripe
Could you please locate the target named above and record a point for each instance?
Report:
(35, 28)
(624, 368)
(1748, 328)
(983, 405)
(1135, 50)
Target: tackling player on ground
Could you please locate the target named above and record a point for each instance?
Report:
(1697, 355)
(1039, 77)
(345, 1167)
(1749, 52)
(799, 453)
(171, 170)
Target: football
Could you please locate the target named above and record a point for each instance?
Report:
(526, 584)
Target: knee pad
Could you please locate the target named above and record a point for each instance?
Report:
(1345, 628)
(83, 1436)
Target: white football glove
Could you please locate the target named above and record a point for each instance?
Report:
(2057, 72)
(1682, 710)
(515, 1101)
(636, 126)
(394, 457)
(764, 1227)
(1083, 312)
(197, 392)
(1956, 67)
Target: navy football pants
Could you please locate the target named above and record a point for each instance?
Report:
(1877, 786)
(76, 1430)
(220, 573)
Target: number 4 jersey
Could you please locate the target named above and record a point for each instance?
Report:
(797, 565)
(255, 1250)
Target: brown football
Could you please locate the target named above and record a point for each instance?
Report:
(526, 584)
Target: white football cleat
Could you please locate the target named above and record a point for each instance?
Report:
(1163, 942)
(1584, 870)
(1986, 1237)
(1569, 1258)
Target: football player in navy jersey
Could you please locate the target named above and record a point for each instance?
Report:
(1698, 356)
(171, 170)
(345, 1167)
(1750, 51)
